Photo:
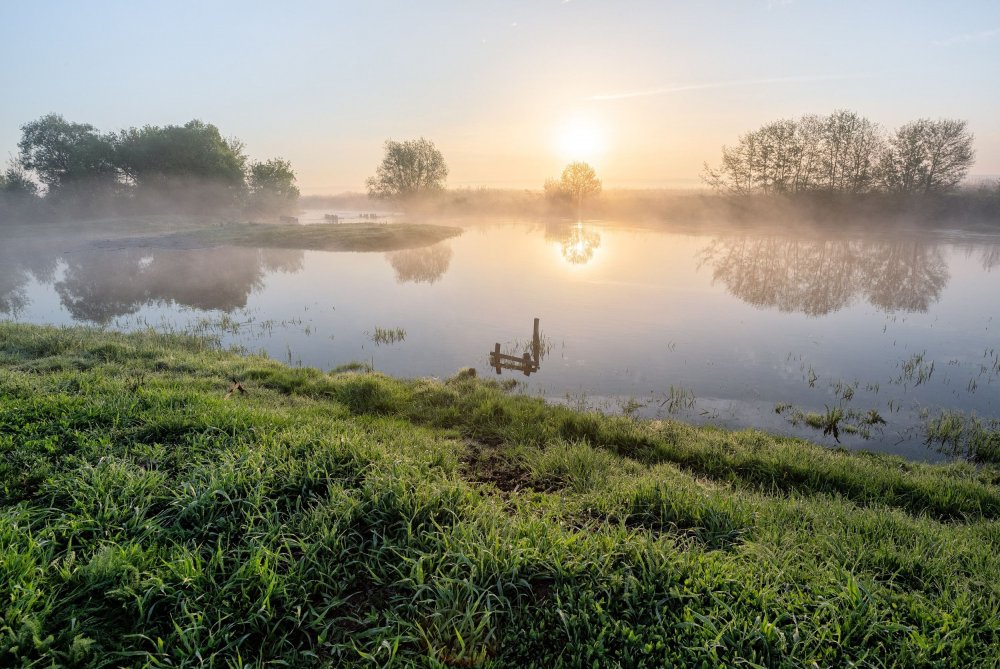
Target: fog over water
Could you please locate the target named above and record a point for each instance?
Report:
(718, 326)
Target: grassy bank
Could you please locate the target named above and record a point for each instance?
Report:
(199, 232)
(155, 513)
(331, 237)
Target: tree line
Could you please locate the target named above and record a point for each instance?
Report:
(845, 152)
(73, 164)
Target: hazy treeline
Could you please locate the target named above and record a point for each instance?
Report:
(967, 207)
(845, 153)
(67, 167)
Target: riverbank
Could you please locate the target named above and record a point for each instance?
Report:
(324, 237)
(162, 500)
(180, 232)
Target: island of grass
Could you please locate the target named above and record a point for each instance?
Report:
(324, 237)
(166, 503)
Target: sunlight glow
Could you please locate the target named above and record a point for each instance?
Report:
(581, 137)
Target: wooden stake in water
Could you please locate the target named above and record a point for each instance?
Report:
(526, 363)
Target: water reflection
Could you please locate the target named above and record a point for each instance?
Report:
(577, 242)
(100, 285)
(989, 254)
(421, 265)
(820, 276)
(20, 262)
(13, 297)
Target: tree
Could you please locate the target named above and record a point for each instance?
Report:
(63, 154)
(927, 156)
(16, 184)
(835, 153)
(150, 155)
(409, 169)
(271, 185)
(579, 181)
(845, 153)
(851, 146)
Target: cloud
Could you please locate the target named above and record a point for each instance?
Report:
(966, 38)
(679, 88)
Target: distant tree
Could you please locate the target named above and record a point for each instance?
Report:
(17, 194)
(845, 153)
(927, 156)
(62, 153)
(555, 194)
(579, 181)
(409, 169)
(271, 185)
(835, 153)
(850, 148)
(16, 183)
(152, 155)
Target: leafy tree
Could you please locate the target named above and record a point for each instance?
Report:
(62, 153)
(18, 193)
(409, 169)
(16, 183)
(927, 156)
(271, 185)
(579, 181)
(152, 156)
(555, 193)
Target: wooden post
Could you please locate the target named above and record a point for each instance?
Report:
(527, 364)
(536, 345)
(496, 356)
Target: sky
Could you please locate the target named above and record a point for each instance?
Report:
(508, 90)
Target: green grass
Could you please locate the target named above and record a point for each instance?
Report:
(326, 237)
(352, 519)
(968, 436)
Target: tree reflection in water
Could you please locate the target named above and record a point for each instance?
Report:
(576, 242)
(820, 276)
(989, 254)
(100, 285)
(423, 265)
(21, 261)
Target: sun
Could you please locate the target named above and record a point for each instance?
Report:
(580, 137)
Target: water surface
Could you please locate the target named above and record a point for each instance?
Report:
(715, 326)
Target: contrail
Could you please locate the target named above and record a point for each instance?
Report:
(724, 84)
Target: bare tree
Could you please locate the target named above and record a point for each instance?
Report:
(845, 153)
(853, 145)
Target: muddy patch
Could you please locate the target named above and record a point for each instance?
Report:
(484, 464)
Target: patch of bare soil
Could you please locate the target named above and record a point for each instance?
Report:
(487, 465)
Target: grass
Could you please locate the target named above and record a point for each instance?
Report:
(352, 519)
(968, 436)
(387, 335)
(326, 237)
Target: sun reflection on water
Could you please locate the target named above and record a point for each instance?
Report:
(579, 246)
